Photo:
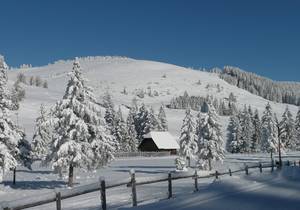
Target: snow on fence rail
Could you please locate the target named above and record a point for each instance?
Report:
(142, 154)
(132, 182)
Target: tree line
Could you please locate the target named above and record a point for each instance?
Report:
(248, 133)
(224, 107)
(282, 92)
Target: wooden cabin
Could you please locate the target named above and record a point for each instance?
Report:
(158, 142)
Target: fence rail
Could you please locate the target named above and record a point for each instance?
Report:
(57, 196)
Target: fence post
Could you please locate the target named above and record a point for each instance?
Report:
(103, 193)
(196, 181)
(169, 185)
(260, 167)
(217, 174)
(58, 201)
(246, 170)
(133, 187)
(230, 173)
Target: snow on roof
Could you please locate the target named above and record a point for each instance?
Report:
(163, 140)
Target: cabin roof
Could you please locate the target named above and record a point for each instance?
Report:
(162, 139)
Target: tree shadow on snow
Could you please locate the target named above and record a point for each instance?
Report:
(35, 185)
(35, 171)
(143, 171)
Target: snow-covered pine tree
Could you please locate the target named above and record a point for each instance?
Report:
(234, 132)
(153, 121)
(121, 132)
(187, 141)
(247, 130)
(110, 113)
(297, 128)
(132, 135)
(17, 94)
(269, 133)
(209, 139)
(162, 119)
(143, 123)
(42, 136)
(256, 138)
(14, 149)
(81, 139)
(287, 132)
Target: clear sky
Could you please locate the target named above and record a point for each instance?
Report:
(261, 36)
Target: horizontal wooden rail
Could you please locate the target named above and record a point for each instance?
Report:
(50, 197)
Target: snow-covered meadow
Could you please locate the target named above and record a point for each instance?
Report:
(126, 79)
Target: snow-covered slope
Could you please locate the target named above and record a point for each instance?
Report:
(117, 73)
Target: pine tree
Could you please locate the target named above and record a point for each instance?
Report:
(17, 94)
(234, 130)
(14, 149)
(42, 136)
(297, 128)
(143, 123)
(132, 135)
(209, 139)
(153, 121)
(110, 113)
(287, 130)
(256, 138)
(121, 132)
(247, 130)
(187, 141)
(269, 133)
(162, 119)
(81, 139)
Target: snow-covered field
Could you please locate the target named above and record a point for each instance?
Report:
(42, 180)
(276, 191)
(115, 74)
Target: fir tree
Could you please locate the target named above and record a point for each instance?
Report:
(297, 128)
(42, 136)
(209, 139)
(234, 130)
(247, 130)
(14, 149)
(81, 139)
(162, 119)
(143, 123)
(132, 135)
(121, 132)
(269, 133)
(287, 130)
(256, 138)
(187, 141)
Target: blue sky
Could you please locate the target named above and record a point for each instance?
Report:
(258, 36)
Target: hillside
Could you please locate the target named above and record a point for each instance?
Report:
(116, 73)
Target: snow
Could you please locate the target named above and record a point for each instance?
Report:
(115, 74)
(42, 180)
(277, 191)
(163, 140)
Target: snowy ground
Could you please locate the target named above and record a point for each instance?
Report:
(42, 180)
(277, 191)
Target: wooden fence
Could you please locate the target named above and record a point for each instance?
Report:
(132, 182)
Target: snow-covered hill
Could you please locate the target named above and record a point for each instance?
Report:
(117, 73)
